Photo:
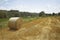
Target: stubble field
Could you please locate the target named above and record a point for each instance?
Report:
(42, 28)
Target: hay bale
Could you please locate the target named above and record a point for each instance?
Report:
(14, 23)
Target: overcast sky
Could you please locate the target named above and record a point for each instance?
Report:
(31, 5)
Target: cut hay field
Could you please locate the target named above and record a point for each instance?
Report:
(43, 28)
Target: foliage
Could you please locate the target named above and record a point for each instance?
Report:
(16, 13)
(42, 13)
(3, 13)
(58, 13)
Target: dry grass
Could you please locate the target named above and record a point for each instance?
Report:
(47, 28)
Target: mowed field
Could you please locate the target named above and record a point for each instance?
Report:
(42, 28)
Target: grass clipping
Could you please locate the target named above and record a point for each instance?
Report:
(14, 23)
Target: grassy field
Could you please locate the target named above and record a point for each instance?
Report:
(4, 21)
(42, 28)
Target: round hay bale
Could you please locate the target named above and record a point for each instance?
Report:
(14, 23)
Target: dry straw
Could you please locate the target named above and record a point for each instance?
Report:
(15, 23)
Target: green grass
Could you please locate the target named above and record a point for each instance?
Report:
(3, 19)
(3, 22)
(28, 19)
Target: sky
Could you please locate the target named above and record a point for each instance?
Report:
(48, 6)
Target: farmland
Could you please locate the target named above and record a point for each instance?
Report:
(41, 28)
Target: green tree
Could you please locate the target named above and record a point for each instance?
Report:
(3, 14)
(53, 14)
(13, 13)
(58, 13)
(42, 13)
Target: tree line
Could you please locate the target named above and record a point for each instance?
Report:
(16, 13)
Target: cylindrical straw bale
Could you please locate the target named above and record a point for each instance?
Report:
(15, 23)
